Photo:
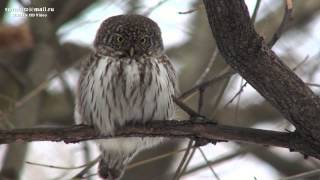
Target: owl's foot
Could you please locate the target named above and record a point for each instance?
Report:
(203, 119)
(203, 141)
(107, 173)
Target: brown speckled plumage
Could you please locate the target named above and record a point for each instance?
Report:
(128, 79)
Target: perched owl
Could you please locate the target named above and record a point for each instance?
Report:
(128, 79)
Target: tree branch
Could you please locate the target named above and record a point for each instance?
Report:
(193, 129)
(247, 53)
(286, 17)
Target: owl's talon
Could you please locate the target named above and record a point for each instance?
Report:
(202, 119)
(201, 142)
(196, 118)
(110, 177)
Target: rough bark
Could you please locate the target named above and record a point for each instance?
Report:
(247, 53)
(198, 130)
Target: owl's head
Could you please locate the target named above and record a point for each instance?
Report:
(128, 36)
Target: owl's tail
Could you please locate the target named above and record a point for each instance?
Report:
(116, 155)
(107, 172)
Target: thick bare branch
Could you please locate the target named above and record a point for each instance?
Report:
(200, 129)
(247, 53)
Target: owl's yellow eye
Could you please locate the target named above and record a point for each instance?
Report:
(119, 39)
(143, 40)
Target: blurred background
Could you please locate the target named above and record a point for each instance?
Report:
(39, 68)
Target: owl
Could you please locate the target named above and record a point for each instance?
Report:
(127, 80)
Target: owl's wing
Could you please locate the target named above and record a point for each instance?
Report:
(171, 73)
(81, 102)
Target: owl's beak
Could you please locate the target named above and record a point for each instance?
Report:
(131, 51)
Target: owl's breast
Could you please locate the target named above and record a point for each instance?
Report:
(128, 91)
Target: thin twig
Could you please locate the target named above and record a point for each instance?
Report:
(180, 168)
(87, 157)
(187, 162)
(15, 74)
(67, 89)
(42, 86)
(304, 175)
(238, 101)
(208, 68)
(286, 17)
(255, 12)
(5, 116)
(208, 163)
(236, 95)
(219, 96)
(293, 69)
(186, 154)
(34, 92)
(201, 100)
(301, 63)
(242, 151)
(198, 7)
(151, 9)
(60, 167)
(206, 84)
(186, 108)
(184, 158)
(313, 84)
(87, 168)
(89, 165)
(199, 86)
(88, 176)
(139, 163)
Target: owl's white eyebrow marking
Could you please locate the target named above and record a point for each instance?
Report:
(118, 34)
(120, 27)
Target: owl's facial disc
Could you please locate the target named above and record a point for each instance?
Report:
(131, 36)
